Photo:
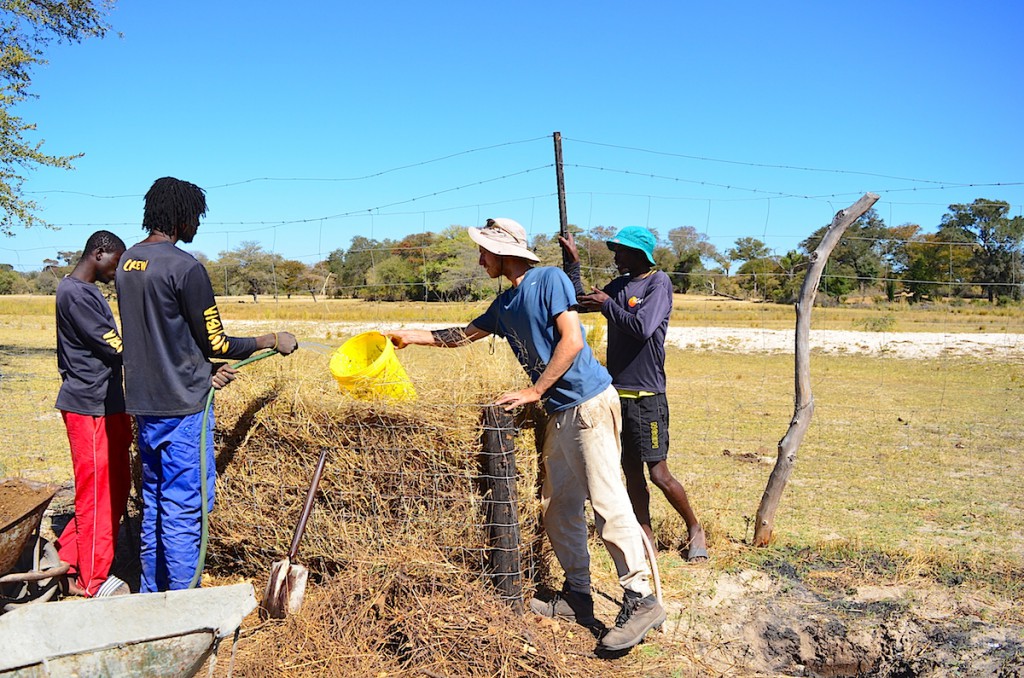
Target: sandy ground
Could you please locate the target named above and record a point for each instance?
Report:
(909, 345)
(895, 344)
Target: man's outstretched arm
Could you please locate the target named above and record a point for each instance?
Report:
(451, 337)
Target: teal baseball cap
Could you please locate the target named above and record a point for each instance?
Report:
(637, 238)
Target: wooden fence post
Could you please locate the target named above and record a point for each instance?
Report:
(804, 401)
(498, 488)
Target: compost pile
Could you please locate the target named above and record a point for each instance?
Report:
(396, 542)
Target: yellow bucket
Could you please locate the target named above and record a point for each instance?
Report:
(366, 366)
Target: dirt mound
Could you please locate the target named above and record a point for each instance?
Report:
(757, 622)
(19, 497)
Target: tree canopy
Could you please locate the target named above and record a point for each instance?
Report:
(975, 253)
(26, 30)
(997, 243)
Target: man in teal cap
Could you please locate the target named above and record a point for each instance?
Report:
(637, 305)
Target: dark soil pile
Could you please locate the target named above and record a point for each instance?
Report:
(18, 498)
(20, 501)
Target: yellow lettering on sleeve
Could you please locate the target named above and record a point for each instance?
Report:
(112, 338)
(215, 331)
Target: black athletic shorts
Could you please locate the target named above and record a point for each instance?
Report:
(645, 428)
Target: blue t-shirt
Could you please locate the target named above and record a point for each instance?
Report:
(525, 316)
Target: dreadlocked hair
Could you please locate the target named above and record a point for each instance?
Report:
(171, 204)
(103, 240)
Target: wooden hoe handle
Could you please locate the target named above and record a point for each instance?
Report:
(308, 507)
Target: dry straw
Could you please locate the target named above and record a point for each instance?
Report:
(396, 542)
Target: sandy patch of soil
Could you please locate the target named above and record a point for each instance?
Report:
(909, 345)
(894, 344)
(18, 498)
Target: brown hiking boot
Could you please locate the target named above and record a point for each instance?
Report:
(568, 605)
(638, 616)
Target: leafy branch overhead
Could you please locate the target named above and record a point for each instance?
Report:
(27, 29)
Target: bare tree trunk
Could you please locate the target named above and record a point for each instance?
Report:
(804, 401)
(716, 293)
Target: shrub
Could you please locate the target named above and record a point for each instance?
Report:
(878, 323)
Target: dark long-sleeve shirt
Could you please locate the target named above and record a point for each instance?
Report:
(637, 311)
(88, 351)
(171, 328)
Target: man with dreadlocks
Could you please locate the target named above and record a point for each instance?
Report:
(91, 402)
(172, 328)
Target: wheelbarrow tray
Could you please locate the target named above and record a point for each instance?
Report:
(145, 634)
(22, 503)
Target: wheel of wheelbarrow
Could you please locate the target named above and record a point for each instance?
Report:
(15, 594)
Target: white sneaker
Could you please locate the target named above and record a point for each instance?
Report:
(113, 586)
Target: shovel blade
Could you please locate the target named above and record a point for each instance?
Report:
(286, 588)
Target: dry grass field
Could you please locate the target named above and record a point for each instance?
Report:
(898, 547)
(690, 310)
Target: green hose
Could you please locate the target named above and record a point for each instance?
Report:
(205, 532)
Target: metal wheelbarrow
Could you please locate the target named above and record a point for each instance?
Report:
(30, 569)
(154, 635)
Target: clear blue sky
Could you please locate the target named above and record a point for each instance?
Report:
(905, 99)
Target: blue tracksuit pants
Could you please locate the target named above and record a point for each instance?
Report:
(172, 518)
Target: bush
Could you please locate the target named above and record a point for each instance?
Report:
(878, 323)
(9, 282)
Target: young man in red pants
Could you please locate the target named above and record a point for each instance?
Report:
(91, 401)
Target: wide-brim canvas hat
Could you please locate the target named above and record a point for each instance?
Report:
(504, 237)
(637, 238)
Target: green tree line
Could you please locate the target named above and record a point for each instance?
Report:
(975, 252)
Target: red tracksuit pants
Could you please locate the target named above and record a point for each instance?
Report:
(99, 453)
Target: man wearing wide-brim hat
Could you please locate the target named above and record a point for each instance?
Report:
(538, 317)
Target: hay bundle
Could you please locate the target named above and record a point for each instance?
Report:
(396, 474)
(396, 543)
(396, 620)
(393, 479)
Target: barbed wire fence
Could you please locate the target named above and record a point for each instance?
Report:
(883, 396)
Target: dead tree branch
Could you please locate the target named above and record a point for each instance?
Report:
(804, 401)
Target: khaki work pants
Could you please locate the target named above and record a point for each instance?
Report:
(581, 458)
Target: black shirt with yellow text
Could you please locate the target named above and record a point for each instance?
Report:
(171, 328)
(88, 351)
